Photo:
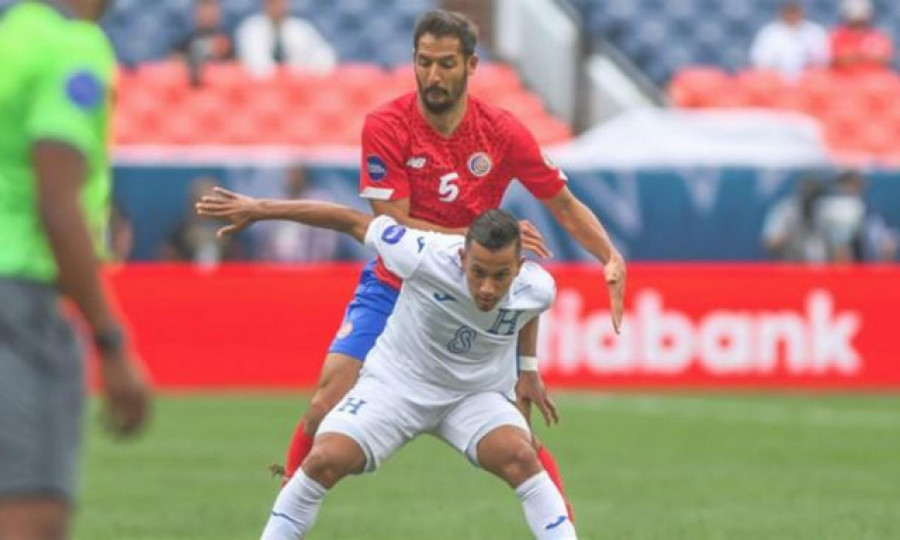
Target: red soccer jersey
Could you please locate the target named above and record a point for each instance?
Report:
(449, 180)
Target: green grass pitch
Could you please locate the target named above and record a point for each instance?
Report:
(662, 466)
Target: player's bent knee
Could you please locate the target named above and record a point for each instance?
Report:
(324, 469)
(520, 464)
(333, 456)
(512, 460)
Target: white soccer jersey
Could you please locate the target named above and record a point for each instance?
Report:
(436, 335)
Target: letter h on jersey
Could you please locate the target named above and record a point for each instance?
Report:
(506, 323)
(352, 405)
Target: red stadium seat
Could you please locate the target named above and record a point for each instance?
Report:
(761, 88)
(158, 105)
(402, 79)
(880, 90)
(698, 86)
(494, 77)
(548, 130)
(168, 79)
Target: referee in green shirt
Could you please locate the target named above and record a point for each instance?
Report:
(56, 69)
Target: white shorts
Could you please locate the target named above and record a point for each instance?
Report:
(381, 418)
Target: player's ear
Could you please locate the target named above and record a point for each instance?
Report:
(462, 256)
(472, 63)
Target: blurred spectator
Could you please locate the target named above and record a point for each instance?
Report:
(194, 239)
(790, 44)
(854, 233)
(790, 230)
(284, 241)
(856, 45)
(208, 41)
(121, 234)
(274, 37)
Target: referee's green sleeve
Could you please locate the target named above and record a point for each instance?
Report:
(71, 94)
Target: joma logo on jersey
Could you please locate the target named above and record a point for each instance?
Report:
(416, 162)
(480, 164)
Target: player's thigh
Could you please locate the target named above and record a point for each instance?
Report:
(34, 518)
(375, 416)
(339, 373)
(475, 417)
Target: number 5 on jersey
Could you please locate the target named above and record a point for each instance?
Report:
(447, 189)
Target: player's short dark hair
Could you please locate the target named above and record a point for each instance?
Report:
(495, 230)
(441, 23)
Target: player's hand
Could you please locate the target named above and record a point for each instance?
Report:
(127, 394)
(533, 241)
(239, 209)
(614, 272)
(530, 389)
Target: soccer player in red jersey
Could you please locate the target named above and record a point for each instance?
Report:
(435, 159)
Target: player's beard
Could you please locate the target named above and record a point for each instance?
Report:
(454, 94)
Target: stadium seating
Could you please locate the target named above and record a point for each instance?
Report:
(662, 37)
(860, 114)
(158, 105)
(377, 31)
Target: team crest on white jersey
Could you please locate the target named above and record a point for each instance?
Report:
(416, 162)
(480, 163)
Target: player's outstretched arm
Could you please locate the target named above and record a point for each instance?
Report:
(399, 210)
(578, 220)
(242, 211)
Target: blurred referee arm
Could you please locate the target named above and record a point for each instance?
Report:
(61, 170)
(242, 211)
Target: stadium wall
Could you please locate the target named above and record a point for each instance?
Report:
(686, 326)
(659, 214)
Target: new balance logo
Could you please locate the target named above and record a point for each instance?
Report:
(415, 162)
(559, 521)
(443, 297)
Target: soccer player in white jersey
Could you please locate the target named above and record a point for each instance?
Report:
(444, 364)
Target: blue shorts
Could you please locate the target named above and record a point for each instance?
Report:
(372, 304)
